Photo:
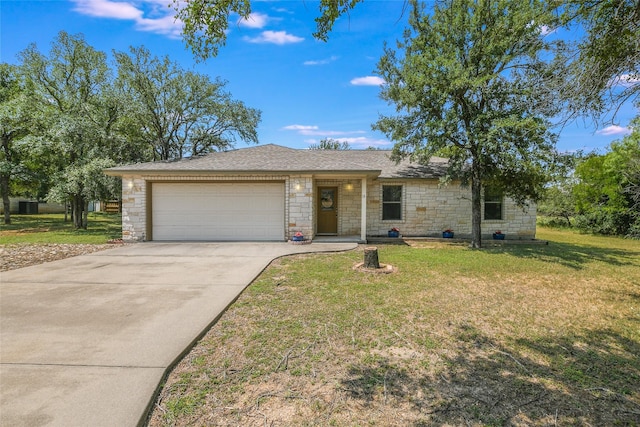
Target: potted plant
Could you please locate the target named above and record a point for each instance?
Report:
(298, 237)
(447, 234)
(394, 232)
(498, 235)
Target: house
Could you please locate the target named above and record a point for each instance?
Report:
(270, 192)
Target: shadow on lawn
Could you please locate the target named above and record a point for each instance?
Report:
(571, 255)
(585, 380)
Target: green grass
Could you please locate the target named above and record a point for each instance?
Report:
(51, 228)
(513, 334)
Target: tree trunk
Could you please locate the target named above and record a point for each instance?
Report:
(77, 205)
(476, 208)
(85, 215)
(5, 179)
(371, 257)
(4, 189)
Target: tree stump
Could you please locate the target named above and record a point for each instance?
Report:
(371, 257)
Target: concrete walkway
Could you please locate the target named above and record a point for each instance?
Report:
(85, 341)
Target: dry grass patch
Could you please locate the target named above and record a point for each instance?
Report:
(513, 335)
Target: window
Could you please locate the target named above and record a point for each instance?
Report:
(391, 202)
(492, 204)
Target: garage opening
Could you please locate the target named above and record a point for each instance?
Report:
(248, 211)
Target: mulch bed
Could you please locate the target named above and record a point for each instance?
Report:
(25, 254)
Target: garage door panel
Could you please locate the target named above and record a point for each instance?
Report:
(218, 211)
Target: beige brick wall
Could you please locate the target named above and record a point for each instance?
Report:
(429, 208)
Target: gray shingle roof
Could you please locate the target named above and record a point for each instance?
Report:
(273, 158)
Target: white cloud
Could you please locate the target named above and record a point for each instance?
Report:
(625, 80)
(107, 9)
(614, 130)
(316, 131)
(545, 30)
(274, 37)
(167, 26)
(148, 15)
(368, 81)
(321, 61)
(300, 127)
(254, 20)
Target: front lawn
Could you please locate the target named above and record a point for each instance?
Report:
(511, 335)
(51, 228)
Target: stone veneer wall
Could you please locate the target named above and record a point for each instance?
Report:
(299, 205)
(134, 204)
(429, 208)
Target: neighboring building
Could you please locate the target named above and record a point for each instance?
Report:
(18, 205)
(271, 192)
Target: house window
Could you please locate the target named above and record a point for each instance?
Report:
(492, 204)
(391, 202)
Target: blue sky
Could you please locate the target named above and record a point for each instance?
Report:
(307, 90)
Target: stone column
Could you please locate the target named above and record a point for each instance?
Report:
(363, 211)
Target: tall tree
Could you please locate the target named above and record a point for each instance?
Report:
(15, 124)
(180, 113)
(557, 201)
(468, 85)
(73, 94)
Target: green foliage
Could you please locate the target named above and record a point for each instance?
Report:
(607, 191)
(66, 117)
(330, 144)
(206, 22)
(15, 125)
(604, 64)
(180, 113)
(601, 192)
(558, 203)
(605, 220)
(73, 98)
(469, 84)
(330, 11)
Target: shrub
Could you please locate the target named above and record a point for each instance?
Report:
(606, 221)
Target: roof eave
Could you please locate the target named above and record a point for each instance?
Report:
(200, 172)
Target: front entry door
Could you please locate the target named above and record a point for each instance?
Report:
(327, 210)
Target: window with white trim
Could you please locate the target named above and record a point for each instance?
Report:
(391, 202)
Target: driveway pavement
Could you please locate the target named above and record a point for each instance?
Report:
(85, 341)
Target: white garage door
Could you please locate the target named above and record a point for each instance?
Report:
(217, 211)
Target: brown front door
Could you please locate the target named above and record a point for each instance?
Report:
(327, 210)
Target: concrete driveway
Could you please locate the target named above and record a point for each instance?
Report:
(86, 340)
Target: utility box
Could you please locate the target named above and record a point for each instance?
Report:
(27, 208)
